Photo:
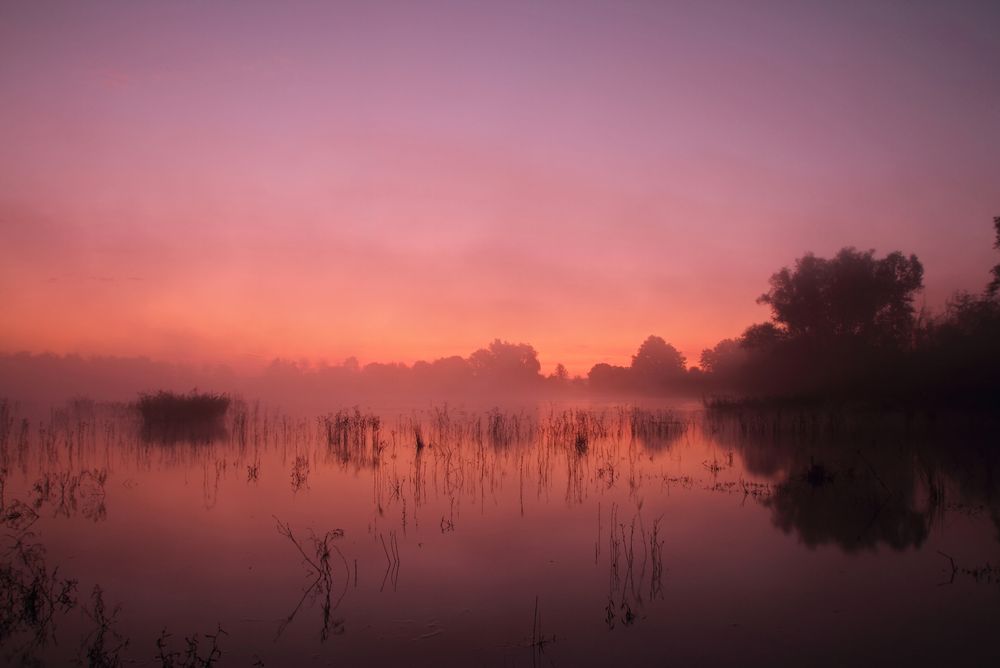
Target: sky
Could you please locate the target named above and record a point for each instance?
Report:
(238, 181)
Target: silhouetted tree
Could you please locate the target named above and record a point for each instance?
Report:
(446, 373)
(657, 364)
(506, 362)
(959, 354)
(853, 295)
(994, 287)
(725, 361)
(608, 378)
(762, 336)
(658, 357)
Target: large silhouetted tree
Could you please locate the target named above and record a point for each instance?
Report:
(762, 336)
(994, 287)
(853, 295)
(960, 350)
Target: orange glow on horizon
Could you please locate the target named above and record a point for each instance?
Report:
(371, 182)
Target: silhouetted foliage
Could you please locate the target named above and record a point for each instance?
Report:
(609, 378)
(845, 329)
(168, 416)
(446, 374)
(852, 295)
(959, 352)
(994, 286)
(657, 364)
(842, 329)
(725, 361)
(504, 362)
(657, 368)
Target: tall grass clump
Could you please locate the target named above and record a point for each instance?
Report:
(656, 428)
(193, 416)
(353, 436)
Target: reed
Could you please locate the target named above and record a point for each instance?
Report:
(172, 417)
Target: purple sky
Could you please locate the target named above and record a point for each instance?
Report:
(236, 181)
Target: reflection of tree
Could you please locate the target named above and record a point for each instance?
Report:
(854, 514)
(847, 486)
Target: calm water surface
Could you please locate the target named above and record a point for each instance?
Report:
(542, 535)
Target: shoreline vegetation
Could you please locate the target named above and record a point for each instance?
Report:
(844, 332)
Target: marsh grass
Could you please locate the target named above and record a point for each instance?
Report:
(192, 656)
(353, 436)
(32, 594)
(196, 417)
(656, 428)
(103, 646)
(317, 557)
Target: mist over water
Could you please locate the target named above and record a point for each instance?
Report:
(499, 333)
(546, 534)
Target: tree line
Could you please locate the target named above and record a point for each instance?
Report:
(844, 328)
(841, 328)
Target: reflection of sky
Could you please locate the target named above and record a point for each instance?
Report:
(210, 182)
(188, 542)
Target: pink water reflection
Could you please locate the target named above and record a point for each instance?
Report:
(498, 509)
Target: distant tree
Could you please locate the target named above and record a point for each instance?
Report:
(383, 376)
(657, 357)
(506, 362)
(657, 364)
(608, 378)
(560, 373)
(450, 373)
(854, 295)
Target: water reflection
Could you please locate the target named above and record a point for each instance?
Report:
(612, 518)
(316, 554)
(67, 493)
(33, 594)
(849, 511)
(863, 485)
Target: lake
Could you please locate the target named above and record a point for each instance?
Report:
(533, 535)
